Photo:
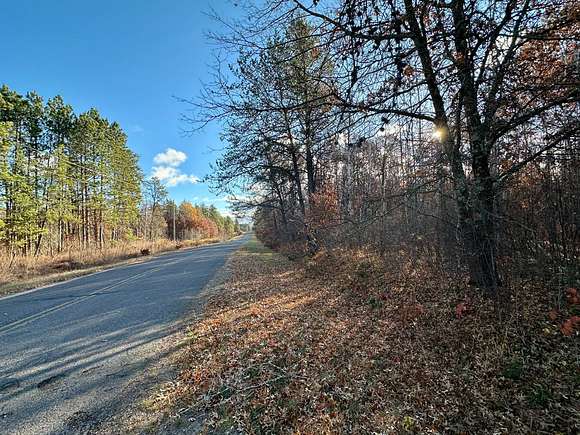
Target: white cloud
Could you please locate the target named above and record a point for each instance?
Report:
(167, 169)
(182, 178)
(173, 176)
(170, 157)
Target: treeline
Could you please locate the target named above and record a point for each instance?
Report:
(199, 221)
(448, 130)
(162, 217)
(65, 179)
(69, 181)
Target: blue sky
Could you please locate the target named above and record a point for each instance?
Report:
(128, 59)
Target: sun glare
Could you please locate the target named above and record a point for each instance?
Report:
(439, 134)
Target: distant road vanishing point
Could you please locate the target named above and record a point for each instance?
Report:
(76, 349)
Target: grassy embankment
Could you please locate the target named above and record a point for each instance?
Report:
(24, 273)
(351, 343)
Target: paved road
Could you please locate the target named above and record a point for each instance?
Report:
(69, 352)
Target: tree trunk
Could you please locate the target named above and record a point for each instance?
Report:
(310, 169)
(479, 229)
(479, 239)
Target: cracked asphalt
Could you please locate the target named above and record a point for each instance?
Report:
(71, 354)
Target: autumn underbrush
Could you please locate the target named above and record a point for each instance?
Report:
(353, 342)
(21, 272)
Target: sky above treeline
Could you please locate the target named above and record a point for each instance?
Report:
(129, 59)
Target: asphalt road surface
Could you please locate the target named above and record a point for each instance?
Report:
(75, 350)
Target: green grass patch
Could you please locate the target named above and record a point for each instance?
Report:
(254, 246)
(257, 249)
(539, 396)
(514, 370)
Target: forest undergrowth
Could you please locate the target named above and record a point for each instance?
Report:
(350, 342)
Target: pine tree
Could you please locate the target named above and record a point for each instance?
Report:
(63, 176)
(22, 226)
(155, 198)
(60, 194)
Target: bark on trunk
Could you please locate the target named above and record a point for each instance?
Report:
(480, 230)
(479, 239)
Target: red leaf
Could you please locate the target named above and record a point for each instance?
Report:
(460, 310)
(572, 296)
(568, 326)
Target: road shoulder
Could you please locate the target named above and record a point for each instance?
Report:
(143, 414)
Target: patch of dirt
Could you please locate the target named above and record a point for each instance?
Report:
(66, 265)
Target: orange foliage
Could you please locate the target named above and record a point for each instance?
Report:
(191, 218)
(324, 210)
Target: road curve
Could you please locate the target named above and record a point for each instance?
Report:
(70, 351)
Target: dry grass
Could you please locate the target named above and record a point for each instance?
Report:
(346, 344)
(22, 273)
